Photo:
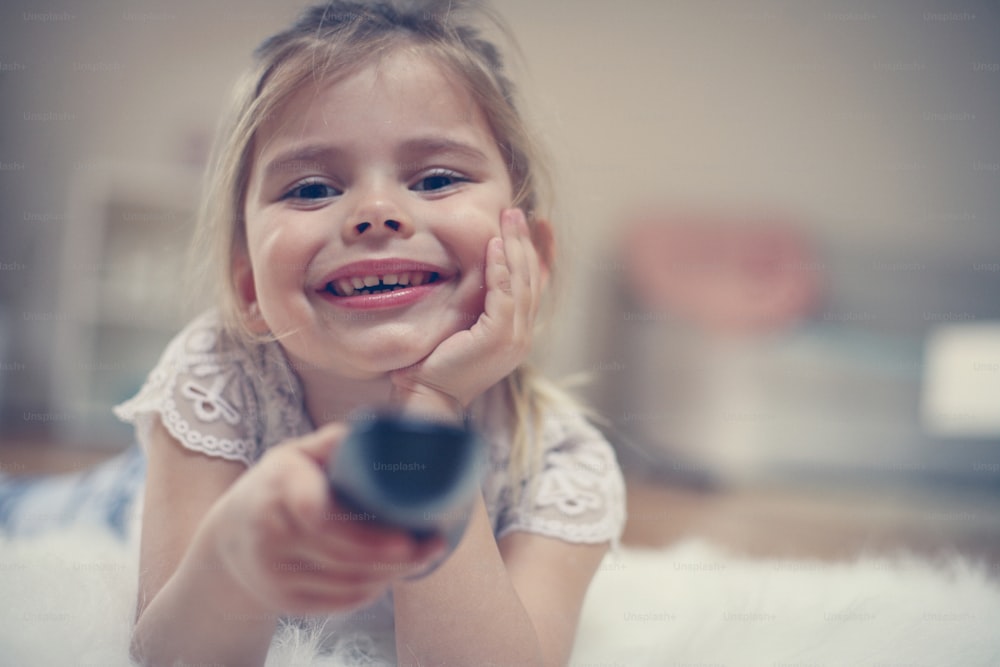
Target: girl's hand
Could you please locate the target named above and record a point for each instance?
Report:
(279, 535)
(469, 362)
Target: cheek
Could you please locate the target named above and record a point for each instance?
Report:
(280, 253)
(473, 227)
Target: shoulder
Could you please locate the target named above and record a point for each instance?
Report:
(579, 478)
(575, 491)
(217, 395)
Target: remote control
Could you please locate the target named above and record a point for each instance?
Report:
(409, 473)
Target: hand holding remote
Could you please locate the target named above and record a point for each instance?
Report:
(410, 473)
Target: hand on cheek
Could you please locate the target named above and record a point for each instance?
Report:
(470, 361)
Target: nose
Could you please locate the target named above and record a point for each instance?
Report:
(376, 215)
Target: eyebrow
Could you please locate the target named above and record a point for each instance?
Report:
(315, 155)
(436, 145)
(309, 156)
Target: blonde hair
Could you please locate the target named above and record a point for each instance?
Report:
(333, 40)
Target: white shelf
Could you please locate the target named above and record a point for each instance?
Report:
(120, 296)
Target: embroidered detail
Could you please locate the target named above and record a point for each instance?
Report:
(209, 404)
(196, 383)
(570, 484)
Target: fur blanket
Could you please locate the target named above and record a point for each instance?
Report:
(67, 599)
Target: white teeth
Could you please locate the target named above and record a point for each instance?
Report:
(355, 284)
(345, 287)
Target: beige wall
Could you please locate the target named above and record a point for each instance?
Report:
(873, 128)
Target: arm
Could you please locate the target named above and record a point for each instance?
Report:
(551, 578)
(513, 604)
(175, 569)
(225, 551)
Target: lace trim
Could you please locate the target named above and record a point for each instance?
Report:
(608, 529)
(209, 404)
(233, 449)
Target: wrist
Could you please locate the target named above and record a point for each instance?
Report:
(202, 613)
(427, 402)
(211, 561)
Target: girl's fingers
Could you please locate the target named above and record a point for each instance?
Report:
(349, 541)
(325, 526)
(362, 556)
(522, 261)
(320, 444)
(513, 229)
(507, 309)
(304, 575)
(353, 558)
(337, 574)
(534, 265)
(326, 529)
(499, 304)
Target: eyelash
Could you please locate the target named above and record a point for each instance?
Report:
(440, 173)
(309, 184)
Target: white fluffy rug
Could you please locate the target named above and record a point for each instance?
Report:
(66, 599)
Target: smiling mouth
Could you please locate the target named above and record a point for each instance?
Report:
(373, 284)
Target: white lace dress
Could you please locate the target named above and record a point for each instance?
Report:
(222, 398)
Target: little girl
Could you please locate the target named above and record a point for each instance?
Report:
(374, 221)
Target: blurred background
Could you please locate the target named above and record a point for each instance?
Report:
(780, 225)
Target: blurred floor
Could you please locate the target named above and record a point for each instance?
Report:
(36, 456)
(766, 523)
(826, 525)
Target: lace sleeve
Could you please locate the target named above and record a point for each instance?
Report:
(578, 494)
(199, 390)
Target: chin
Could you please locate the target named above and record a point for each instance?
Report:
(383, 359)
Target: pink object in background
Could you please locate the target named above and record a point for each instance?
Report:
(725, 274)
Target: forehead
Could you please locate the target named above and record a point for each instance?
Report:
(405, 91)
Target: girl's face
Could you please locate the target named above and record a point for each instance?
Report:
(369, 206)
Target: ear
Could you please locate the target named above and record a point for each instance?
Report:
(544, 241)
(246, 293)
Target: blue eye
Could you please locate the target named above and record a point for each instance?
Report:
(311, 190)
(437, 181)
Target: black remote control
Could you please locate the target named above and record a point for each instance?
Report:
(409, 473)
